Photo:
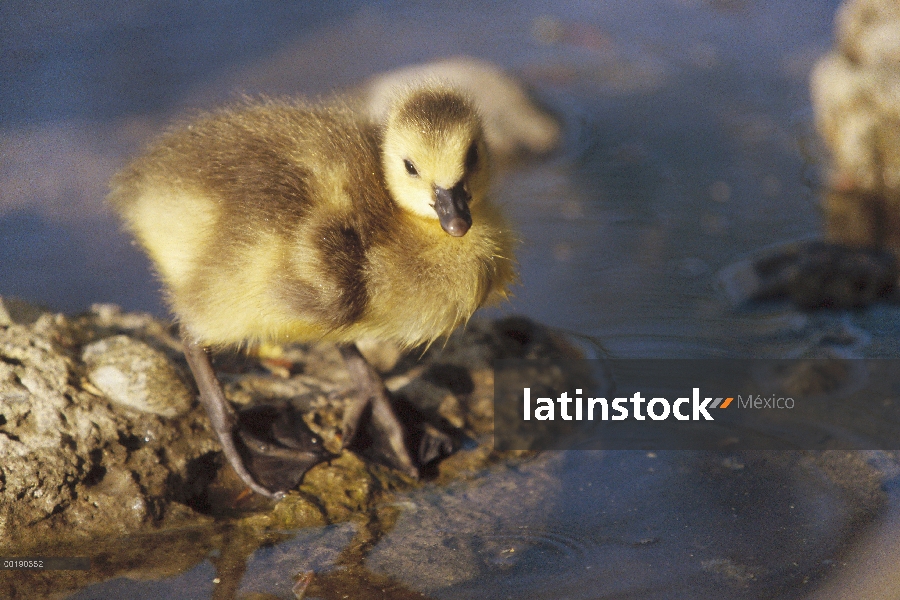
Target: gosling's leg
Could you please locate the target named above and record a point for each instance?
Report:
(389, 438)
(280, 457)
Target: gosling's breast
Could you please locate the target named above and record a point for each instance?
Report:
(423, 287)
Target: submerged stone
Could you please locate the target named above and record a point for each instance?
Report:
(814, 275)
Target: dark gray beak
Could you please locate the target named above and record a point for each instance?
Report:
(452, 208)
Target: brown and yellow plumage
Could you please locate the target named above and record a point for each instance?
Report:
(279, 221)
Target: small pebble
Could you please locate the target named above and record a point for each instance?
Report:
(133, 374)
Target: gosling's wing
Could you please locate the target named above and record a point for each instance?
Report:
(204, 191)
(251, 219)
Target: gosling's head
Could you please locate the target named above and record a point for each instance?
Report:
(435, 159)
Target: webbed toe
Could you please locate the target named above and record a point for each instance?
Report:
(277, 447)
(395, 435)
(391, 433)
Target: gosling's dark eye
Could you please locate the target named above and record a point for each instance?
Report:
(472, 157)
(410, 168)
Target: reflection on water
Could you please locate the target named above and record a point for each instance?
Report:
(687, 148)
(632, 525)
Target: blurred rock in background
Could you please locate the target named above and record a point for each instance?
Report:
(856, 99)
(512, 122)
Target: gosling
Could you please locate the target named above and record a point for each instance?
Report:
(275, 221)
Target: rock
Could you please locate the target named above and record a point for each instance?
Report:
(856, 100)
(74, 466)
(511, 120)
(100, 437)
(13, 310)
(855, 92)
(133, 374)
(814, 275)
(862, 219)
(854, 105)
(381, 355)
(867, 32)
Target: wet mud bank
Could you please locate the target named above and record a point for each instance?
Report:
(108, 454)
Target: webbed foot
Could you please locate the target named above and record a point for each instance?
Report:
(270, 449)
(278, 447)
(373, 426)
